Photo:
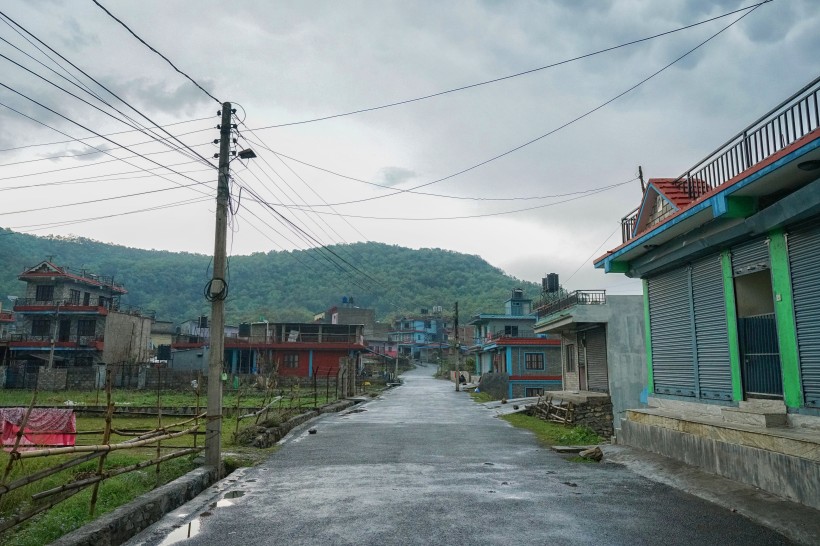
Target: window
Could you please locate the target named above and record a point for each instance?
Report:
(292, 361)
(45, 292)
(511, 331)
(534, 361)
(41, 327)
(533, 391)
(74, 297)
(87, 327)
(86, 299)
(105, 302)
(570, 357)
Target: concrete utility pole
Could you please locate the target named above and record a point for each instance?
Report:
(213, 426)
(458, 347)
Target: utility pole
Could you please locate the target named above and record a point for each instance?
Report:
(216, 293)
(458, 348)
(54, 337)
(640, 175)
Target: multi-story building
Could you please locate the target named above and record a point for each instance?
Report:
(69, 319)
(602, 347)
(293, 349)
(729, 255)
(422, 336)
(522, 362)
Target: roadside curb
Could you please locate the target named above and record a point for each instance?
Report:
(795, 521)
(128, 520)
(124, 522)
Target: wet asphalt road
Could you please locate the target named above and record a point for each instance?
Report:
(426, 465)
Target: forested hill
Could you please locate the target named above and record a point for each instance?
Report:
(275, 285)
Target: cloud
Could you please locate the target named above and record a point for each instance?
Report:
(393, 176)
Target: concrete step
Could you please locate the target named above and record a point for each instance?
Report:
(755, 416)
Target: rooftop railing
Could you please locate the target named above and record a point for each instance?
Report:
(789, 121)
(579, 297)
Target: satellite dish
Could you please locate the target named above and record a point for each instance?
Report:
(12, 299)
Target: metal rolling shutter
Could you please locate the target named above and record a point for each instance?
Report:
(671, 333)
(714, 367)
(597, 376)
(804, 262)
(750, 257)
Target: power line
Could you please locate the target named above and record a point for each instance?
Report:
(485, 215)
(592, 256)
(495, 80)
(564, 125)
(99, 84)
(89, 130)
(40, 227)
(134, 34)
(111, 134)
(259, 143)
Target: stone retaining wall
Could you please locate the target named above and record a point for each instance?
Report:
(126, 521)
(595, 413)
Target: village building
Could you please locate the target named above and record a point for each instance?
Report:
(729, 255)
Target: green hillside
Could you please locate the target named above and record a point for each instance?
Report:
(274, 285)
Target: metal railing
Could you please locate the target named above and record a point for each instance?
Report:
(579, 297)
(69, 303)
(786, 123)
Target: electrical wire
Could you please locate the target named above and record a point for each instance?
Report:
(485, 215)
(95, 81)
(134, 34)
(531, 71)
(89, 130)
(560, 127)
(110, 134)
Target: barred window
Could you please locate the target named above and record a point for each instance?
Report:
(45, 292)
(41, 327)
(534, 361)
(87, 327)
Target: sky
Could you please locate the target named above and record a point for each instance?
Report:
(532, 173)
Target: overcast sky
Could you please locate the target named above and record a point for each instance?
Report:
(286, 62)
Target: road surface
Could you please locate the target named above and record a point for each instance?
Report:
(426, 465)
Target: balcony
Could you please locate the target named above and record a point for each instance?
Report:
(791, 120)
(29, 341)
(32, 305)
(579, 297)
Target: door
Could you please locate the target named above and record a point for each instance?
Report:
(64, 331)
(756, 322)
(595, 347)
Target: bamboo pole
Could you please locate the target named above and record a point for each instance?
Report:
(104, 447)
(261, 411)
(47, 472)
(79, 484)
(106, 438)
(16, 520)
(198, 388)
(159, 422)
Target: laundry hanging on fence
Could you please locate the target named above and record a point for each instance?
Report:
(45, 427)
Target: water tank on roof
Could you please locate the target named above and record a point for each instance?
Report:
(549, 284)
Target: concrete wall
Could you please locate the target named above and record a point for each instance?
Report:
(792, 477)
(127, 338)
(626, 354)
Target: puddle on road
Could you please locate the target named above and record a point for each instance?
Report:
(225, 501)
(181, 533)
